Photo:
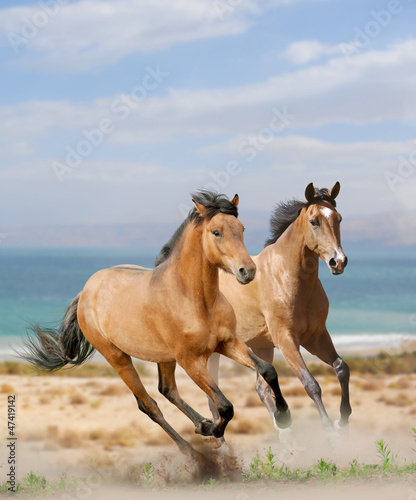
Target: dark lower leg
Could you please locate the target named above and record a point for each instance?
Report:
(324, 349)
(167, 387)
(238, 351)
(197, 370)
(262, 387)
(282, 414)
(214, 367)
(342, 372)
(292, 355)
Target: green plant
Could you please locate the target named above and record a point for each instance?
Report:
(325, 468)
(269, 466)
(34, 483)
(147, 472)
(386, 455)
(255, 468)
(212, 483)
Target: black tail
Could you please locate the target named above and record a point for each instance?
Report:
(51, 349)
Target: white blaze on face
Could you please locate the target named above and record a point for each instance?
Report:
(326, 212)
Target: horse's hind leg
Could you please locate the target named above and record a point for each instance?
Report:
(167, 387)
(238, 351)
(323, 347)
(122, 363)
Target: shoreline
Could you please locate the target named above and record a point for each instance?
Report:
(347, 345)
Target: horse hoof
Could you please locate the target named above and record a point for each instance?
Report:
(213, 442)
(283, 419)
(224, 450)
(205, 427)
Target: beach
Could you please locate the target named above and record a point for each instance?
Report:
(81, 425)
(88, 427)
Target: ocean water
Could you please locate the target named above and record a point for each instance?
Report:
(372, 305)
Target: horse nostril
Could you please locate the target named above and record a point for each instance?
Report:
(333, 263)
(243, 272)
(345, 261)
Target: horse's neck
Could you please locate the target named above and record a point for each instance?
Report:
(292, 261)
(197, 275)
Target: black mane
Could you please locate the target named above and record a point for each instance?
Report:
(287, 212)
(214, 202)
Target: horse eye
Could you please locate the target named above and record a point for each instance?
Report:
(216, 233)
(314, 222)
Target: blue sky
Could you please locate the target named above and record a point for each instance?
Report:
(254, 97)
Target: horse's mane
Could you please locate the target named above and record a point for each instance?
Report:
(214, 202)
(287, 212)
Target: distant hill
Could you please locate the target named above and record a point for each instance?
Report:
(385, 230)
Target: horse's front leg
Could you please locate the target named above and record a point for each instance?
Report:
(168, 387)
(262, 387)
(197, 369)
(323, 347)
(238, 351)
(290, 351)
(214, 368)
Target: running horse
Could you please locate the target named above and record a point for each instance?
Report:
(286, 306)
(172, 314)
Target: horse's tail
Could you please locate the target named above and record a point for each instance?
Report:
(51, 349)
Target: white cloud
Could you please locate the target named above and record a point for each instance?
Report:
(87, 34)
(305, 51)
(373, 86)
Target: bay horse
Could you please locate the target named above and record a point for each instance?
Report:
(172, 314)
(286, 306)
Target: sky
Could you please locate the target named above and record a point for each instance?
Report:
(116, 110)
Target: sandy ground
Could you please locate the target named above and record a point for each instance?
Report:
(79, 425)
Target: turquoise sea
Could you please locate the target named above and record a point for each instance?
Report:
(372, 305)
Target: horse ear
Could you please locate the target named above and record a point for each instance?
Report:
(335, 190)
(310, 192)
(200, 208)
(235, 201)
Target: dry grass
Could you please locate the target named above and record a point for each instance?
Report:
(97, 435)
(55, 391)
(52, 432)
(44, 400)
(243, 424)
(7, 389)
(71, 439)
(373, 385)
(114, 390)
(402, 400)
(253, 401)
(335, 391)
(401, 383)
(297, 405)
(294, 391)
(78, 399)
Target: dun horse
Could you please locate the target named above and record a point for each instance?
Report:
(172, 314)
(286, 306)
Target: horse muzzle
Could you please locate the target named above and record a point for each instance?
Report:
(245, 275)
(337, 264)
